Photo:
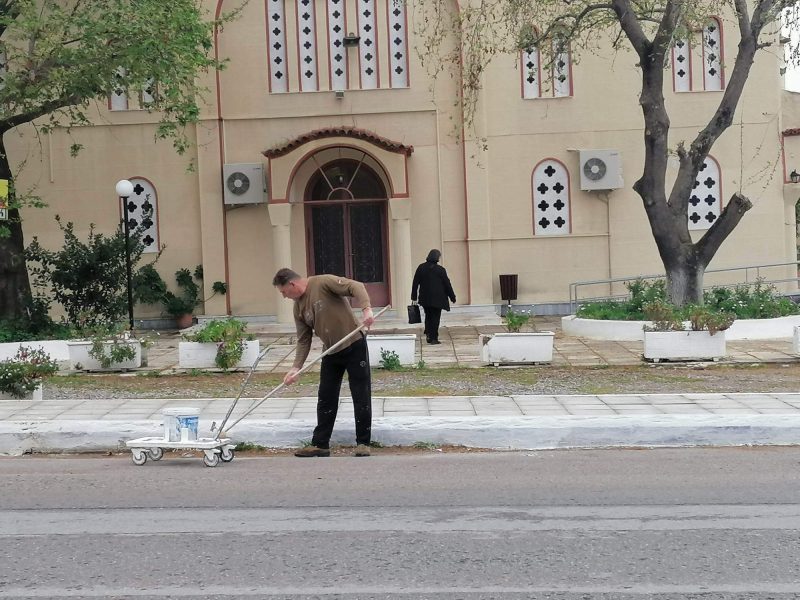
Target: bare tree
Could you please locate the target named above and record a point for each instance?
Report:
(649, 28)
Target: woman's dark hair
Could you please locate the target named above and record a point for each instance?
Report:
(434, 256)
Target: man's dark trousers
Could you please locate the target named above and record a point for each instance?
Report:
(355, 360)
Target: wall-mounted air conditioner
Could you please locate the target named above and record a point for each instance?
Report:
(244, 184)
(601, 170)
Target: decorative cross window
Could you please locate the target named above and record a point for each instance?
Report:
(705, 203)
(340, 45)
(551, 210)
(337, 53)
(276, 38)
(307, 45)
(687, 56)
(142, 211)
(368, 45)
(118, 99)
(398, 44)
(555, 81)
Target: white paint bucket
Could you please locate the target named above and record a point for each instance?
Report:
(180, 424)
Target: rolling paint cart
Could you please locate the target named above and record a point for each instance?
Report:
(181, 424)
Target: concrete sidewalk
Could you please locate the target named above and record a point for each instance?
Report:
(503, 422)
(507, 422)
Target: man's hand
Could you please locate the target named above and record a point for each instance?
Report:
(291, 376)
(368, 318)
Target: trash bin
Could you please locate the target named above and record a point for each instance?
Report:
(180, 424)
(508, 287)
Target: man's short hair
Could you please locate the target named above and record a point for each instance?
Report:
(284, 276)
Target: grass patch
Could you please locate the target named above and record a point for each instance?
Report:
(425, 445)
(245, 446)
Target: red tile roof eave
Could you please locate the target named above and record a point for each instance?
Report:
(352, 132)
(790, 132)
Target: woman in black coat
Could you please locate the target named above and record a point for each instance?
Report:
(434, 290)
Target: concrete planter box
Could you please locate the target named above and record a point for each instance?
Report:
(796, 341)
(517, 348)
(57, 349)
(683, 345)
(34, 395)
(81, 360)
(403, 344)
(631, 331)
(201, 355)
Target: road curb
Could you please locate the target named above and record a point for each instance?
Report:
(507, 433)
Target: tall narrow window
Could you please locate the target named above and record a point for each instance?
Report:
(368, 45)
(551, 210)
(562, 69)
(531, 75)
(276, 36)
(398, 44)
(697, 60)
(118, 100)
(142, 210)
(712, 56)
(337, 53)
(705, 203)
(307, 45)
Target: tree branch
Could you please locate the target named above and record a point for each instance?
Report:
(708, 245)
(40, 111)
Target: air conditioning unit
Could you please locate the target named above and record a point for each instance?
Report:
(244, 184)
(601, 170)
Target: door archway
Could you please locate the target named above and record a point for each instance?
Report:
(346, 225)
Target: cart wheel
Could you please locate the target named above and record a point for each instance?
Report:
(212, 460)
(139, 457)
(155, 453)
(226, 454)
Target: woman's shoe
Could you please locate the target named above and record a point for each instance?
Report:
(434, 342)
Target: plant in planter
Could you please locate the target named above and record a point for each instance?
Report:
(517, 346)
(231, 343)
(668, 339)
(22, 374)
(104, 347)
(515, 321)
(182, 306)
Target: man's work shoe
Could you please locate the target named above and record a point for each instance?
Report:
(361, 450)
(310, 451)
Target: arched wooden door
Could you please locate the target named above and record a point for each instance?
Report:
(346, 228)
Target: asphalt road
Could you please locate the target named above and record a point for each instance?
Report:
(565, 525)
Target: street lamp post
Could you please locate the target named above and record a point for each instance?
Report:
(124, 189)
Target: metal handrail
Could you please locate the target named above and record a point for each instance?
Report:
(573, 287)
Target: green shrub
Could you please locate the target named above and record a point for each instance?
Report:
(21, 374)
(757, 301)
(390, 360)
(703, 318)
(663, 316)
(515, 321)
(88, 278)
(229, 335)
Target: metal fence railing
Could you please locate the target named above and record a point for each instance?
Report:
(751, 274)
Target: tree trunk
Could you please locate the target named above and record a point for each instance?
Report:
(15, 287)
(685, 278)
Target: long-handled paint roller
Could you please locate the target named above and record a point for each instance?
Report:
(222, 432)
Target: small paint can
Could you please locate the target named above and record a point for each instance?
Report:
(180, 424)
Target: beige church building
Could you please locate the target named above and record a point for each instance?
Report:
(327, 145)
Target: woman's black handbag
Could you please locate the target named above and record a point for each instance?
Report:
(413, 314)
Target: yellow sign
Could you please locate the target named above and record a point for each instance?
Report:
(3, 199)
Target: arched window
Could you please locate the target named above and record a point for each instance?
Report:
(142, 209)
(700, 53)
(551, 209)
(539, 81)
(705, 203)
